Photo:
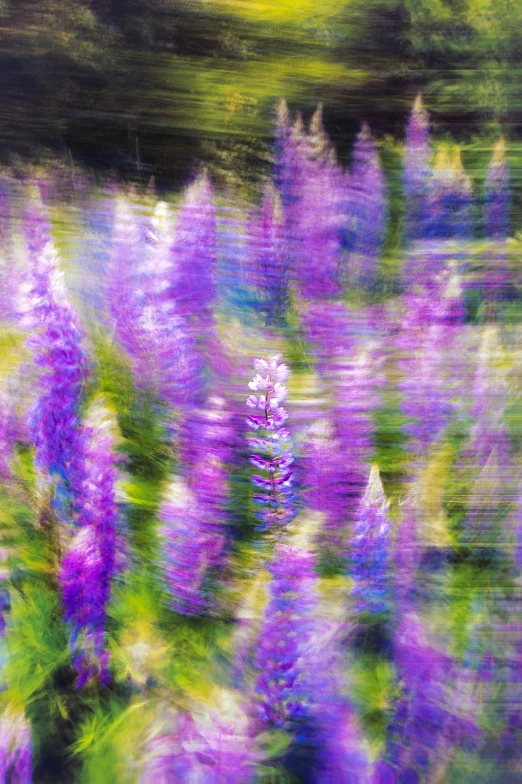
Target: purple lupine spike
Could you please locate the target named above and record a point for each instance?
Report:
(428, 333)
(273, 456)
(57, 348)
(450, 197)
(147, 320)
(194, 252)
(213, 747)
(82, 581)
(497, 194)
(336, 739)
(270, 256)
(193, 513)
(89, 564)
(125, 298)
(319, 228)
(285, 629)
(16, 764)
(327, 491)
(370, 549)
(353, 375)
(417, 171)
(429, 721)
(366, 211)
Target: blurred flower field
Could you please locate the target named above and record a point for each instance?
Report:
(260, 482)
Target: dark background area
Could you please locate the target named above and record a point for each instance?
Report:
(156, 86)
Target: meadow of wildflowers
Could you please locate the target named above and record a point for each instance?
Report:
(260, 488)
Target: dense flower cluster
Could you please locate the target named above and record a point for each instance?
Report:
(353, 636)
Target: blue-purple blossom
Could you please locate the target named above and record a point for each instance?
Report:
(57, 346)
(16, 765)
(417, 171)
(210, 746)
(370, 546)
(427, 337)
(272, 457)
(366, 211)
(352, 373)
(269, 256)
(193, 512)
(286, 625)
(89, 563)
(497, 195)
(429, 719)
(450, 197)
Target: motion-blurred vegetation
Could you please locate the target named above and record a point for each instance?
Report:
(154, 86)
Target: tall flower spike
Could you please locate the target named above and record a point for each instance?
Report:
(57, 348)
(370, 549)
(320, 221)
(366, 211)
(16, 764)
(274, 456)
(417, 171)
(284, 631)
(450, 197)
(194, 252)
(270, 256)
(497, 194)
(89, 564)
(428, 723)
(193, 514)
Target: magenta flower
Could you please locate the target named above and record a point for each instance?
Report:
(273, 444)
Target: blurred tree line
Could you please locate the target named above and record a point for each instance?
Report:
(154, 86)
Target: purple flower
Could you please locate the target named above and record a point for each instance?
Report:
(417, 171)
(82, 580)
(147, 319)
(450, 197)
(366, 211)
(57, 348)
(193, 512)
(497, 194)
(285, 628)
(273, 456)
(431, 718)
(15, 748)
(89, 564)
(194, 252)
(370, 549)
(428, 331)
(269, 255)
(353, 376)
(213, 746)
